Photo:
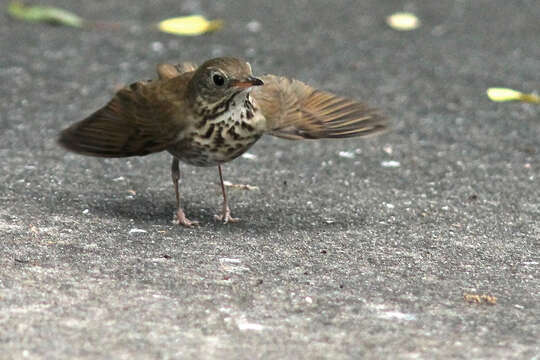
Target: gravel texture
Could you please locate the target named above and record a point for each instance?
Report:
(348, 249)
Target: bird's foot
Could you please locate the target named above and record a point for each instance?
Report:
(226, 216)
(181, 219)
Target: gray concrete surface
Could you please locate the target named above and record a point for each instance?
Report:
(336, 257)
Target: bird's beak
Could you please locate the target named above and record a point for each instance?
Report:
(247, 82)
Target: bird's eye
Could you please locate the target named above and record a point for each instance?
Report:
(218, 80)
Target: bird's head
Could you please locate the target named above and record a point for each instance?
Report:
(221, 78)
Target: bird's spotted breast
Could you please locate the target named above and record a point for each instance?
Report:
(223, 137)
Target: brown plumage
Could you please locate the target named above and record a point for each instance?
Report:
(140, 119)
(212, 114)
(294, 110)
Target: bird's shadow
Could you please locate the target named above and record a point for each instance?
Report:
(145, 208)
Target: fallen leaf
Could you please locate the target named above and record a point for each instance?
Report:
(189, 25)
(403, 21)
(480, 299)
(47, 14)
(504, 94)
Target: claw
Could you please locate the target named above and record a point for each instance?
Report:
(181, 219)
(226, 217)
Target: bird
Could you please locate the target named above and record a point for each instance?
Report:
(210, 114)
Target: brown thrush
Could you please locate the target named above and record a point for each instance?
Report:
(212, 114)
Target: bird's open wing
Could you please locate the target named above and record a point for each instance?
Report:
(294, 110)
(140, 119)
(169, 71)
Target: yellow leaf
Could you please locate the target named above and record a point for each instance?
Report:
(504, 94)
(403, 21)
(189, 25)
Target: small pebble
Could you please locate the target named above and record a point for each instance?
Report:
(249, 156)
(157, 47)
(346, 154)
(136, 231)
(244, 325)
(391, 164)
(253, 26)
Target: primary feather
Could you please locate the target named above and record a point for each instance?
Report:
(294, 110)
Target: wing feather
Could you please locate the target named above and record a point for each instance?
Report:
(169, 71)
(294, 110)
(140, 119)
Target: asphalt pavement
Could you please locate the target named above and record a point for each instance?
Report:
(421, 243)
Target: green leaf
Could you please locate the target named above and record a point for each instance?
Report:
(48, 14)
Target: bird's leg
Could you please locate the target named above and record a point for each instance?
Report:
(180, 216)
(226, 214)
